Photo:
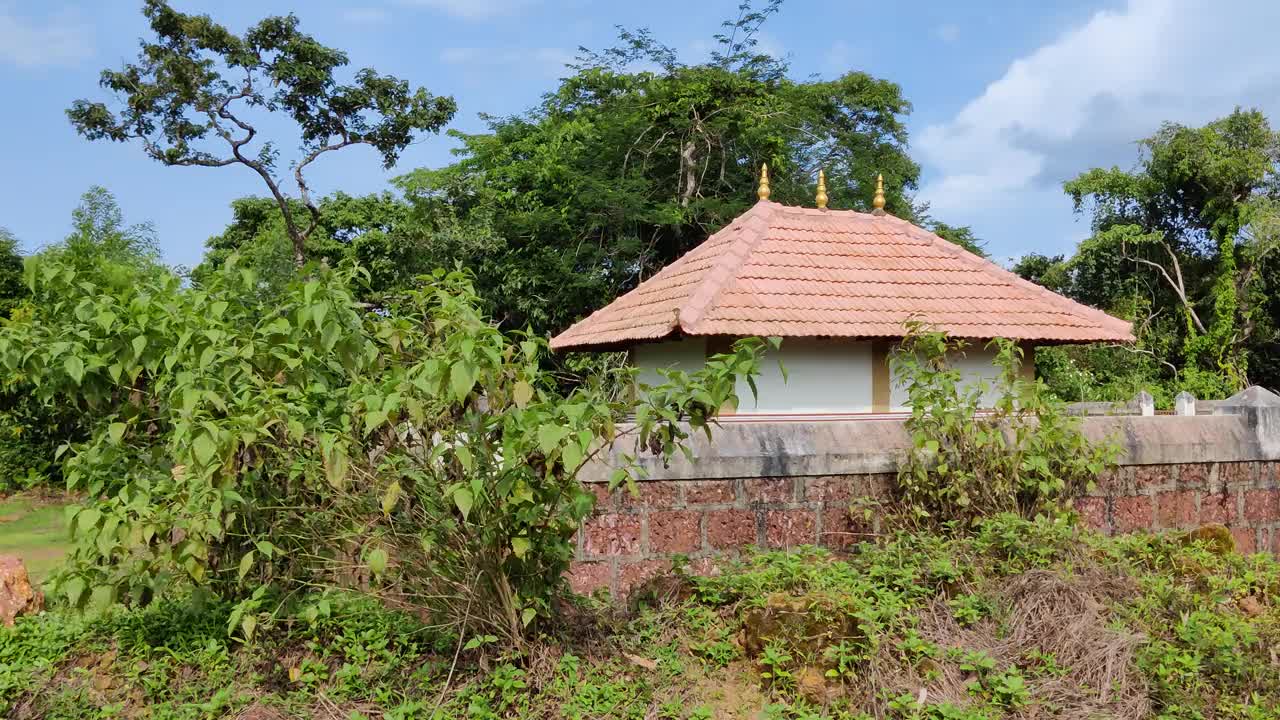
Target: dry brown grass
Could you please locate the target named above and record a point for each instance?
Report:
(1044, 612)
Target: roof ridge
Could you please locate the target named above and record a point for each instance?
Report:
(1054, 299)
(715, 277)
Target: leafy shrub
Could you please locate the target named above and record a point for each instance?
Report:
(1022, 454)
(239, 444)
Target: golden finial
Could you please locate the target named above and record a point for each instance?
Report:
(763, 192)
(822, 190)
(878, 201)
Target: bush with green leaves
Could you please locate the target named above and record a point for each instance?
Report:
(971, 456)
(239, 444)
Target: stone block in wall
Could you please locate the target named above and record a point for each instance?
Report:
(1093, 512)
(731, 529)
(790, 528)
(611, 535)
(639, 572)
(1176, 509)
(1132, 513)
(1262, 506)
(1246, 539)
(675, 531)
(769, 490)
(840, 530)
(711, 492)
(1238, 474)
(656, 493)
(587, 576)
(1219, 507)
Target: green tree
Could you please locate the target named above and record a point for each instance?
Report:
(195, 94)
(12, 290)
(1184, 244)
(239, 441)
(620, 170)
(100, 249)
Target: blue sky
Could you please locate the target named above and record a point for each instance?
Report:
(1011, 98)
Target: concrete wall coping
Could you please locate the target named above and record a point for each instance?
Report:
(1244, 431)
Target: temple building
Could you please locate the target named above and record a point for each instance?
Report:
(839, 287)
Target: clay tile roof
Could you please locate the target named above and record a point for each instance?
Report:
(799, 272)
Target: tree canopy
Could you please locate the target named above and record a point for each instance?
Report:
(634, 159)
(195, 94)
(12, 289)
(1184, 244)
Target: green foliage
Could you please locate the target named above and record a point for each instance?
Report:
(1206, 654)
(12, 291)
(380, 233)
(1183, 245)
(620, 170)
(31, 428)
(239, 443)
(979, 450)
(1210, 615)
(194, 94)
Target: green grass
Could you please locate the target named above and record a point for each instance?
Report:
(32, 528)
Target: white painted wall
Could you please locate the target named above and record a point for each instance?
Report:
(823, 376)
(687, 354)
(976, 363)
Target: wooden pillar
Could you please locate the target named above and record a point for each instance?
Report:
(881, 380)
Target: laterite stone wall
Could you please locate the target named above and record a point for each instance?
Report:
(779, 484)
(630, 539)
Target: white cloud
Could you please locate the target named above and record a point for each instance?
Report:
(61, 39)
(549, 62)
(365, 16)
(474, 9)
(1083, 99)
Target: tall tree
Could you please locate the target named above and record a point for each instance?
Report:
(197, 89)
(636, 157)
(1186, 244)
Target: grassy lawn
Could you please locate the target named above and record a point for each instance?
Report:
(31, 527)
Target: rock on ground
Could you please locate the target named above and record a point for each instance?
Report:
(17, 596)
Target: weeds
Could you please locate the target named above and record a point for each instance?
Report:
(920, 626)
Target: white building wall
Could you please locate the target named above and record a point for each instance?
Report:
(823, 376)
(976, 363)
(687, 354)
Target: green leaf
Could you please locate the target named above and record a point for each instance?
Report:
(571, 456)
(390, 497)
(463, 499)
(74, 590)
(549, 436)
(377, 561)
(115, 431)
(520, 546)
(374, 420)
(248, 624)
(521, 394)
(528, 615)
(74, 367)
(246, 564)
(87, 518)
(204, 448)
(462, 378)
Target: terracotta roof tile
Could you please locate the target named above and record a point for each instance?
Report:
(799, 272)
